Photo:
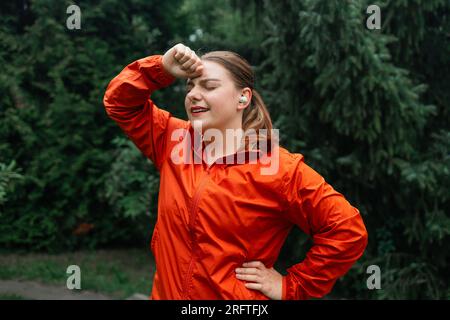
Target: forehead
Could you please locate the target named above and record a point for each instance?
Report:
(212, 71)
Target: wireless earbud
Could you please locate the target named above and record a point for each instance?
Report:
(243, 99)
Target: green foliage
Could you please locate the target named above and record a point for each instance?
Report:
(373, 124)
(53, 124)
(7, 176)
(127, 174)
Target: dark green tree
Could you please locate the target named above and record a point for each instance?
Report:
(367, 122)
(53, 124)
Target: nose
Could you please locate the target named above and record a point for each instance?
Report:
(194, 95)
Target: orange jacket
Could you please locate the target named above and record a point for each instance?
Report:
(211, 219)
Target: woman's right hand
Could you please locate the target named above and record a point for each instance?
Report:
(181, 62)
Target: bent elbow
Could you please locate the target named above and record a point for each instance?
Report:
(363, 238)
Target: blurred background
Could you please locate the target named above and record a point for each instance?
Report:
(369, 110)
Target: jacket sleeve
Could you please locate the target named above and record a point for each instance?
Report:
(336, 227)
(127, 101)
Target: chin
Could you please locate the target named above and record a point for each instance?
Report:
(205, 125)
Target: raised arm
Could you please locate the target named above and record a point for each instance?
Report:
(336, 227)
(127, 98)
(127, 101)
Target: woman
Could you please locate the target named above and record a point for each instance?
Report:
(221, 221)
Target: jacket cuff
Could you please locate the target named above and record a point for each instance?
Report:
(288, 288)
(292, 289)
(153, 65)
(284, 286)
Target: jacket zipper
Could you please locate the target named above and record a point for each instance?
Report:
(195, 201)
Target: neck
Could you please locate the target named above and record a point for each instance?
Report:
(223, 144)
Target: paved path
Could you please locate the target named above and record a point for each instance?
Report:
(38, 291)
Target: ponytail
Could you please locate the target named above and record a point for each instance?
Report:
(257, 117)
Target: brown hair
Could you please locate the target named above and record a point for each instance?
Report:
(255, 116)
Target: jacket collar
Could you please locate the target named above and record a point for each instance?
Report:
(241, 156)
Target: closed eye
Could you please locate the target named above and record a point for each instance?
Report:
(190, 84)
(207, 88)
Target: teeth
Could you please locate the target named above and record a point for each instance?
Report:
(199, 110)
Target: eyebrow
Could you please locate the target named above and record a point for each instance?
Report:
(190, 82)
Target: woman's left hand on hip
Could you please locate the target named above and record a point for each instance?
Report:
(258, 277)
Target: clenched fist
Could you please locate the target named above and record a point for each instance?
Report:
(182, 62)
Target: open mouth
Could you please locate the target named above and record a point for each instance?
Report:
(197, 109)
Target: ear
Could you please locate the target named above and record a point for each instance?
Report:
(247, 93)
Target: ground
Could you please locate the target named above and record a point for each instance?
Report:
(105, 274)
